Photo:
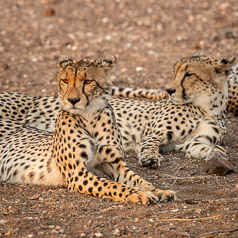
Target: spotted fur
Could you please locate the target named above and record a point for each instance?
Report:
(139, 93)
(154, 94)
(193, 120)
(85, 135)
(233, 90)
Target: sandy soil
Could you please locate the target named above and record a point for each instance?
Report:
(148, 37)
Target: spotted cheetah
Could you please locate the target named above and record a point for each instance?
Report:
(86, 135)
(158, 94)
(233, 90)
(192, 120)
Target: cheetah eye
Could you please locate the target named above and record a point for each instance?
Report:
(88, 81)
(65, 80)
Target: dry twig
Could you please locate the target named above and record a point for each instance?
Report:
(191, 219)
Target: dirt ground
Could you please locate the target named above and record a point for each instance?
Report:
(148, 37)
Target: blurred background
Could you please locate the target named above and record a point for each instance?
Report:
(147, 36)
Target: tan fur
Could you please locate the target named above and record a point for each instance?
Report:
(85, 135)
(193, 120)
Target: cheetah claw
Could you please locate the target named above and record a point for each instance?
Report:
(165, 195)
(151, 161)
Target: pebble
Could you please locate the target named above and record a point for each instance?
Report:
(108, 37)
(98, 234)
(136, 220)
(48, 12)
(35, 197)
(4, 66)
(105, 20)
(139, 69)
(116, 232)
(34, 59)
(128, 45)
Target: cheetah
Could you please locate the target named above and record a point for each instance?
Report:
(191, 120)
(158, 94)
(85, 136)
(233, 90)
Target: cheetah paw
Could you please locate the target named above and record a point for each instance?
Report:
(217, 152)
(151, 161)
(165, 195)
(146, 198)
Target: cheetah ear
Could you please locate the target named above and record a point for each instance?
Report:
(228, 61)
(64, 60)
(225, 65)
(109, 62)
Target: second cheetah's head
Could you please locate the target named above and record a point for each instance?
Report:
(200, 80)
(84, 85)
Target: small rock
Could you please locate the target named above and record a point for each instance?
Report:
(35, 197)
(98, 234)
(230, 34)
(218, 166)
(49, 12)
(215, 38)
(4, 66)
(139, 69)
(108, 37)
(116, 232)
(187, 201)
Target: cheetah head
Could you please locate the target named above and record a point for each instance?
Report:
(200, 80)
(84, 85)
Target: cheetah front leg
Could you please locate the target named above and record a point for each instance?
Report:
(148, 150)
(204, 142)
(83, 181)
(201, 148)
(114, 166)
(72, 166)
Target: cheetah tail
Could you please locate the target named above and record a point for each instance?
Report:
(152, 94)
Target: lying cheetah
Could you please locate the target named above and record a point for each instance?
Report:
(233, 90)
(86, 135)
(158, 94)
(192, 120)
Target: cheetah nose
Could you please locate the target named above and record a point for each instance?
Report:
(73, 101)
(170, 91)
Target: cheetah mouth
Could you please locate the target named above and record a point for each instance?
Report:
(181, 102)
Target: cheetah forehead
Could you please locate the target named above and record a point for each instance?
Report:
(204, 60)
(97, 70)
(67, 61)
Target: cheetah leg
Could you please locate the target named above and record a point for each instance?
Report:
(83, 181)
(114, 166)
(78, 178)
(148, 151)
(200, 149)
